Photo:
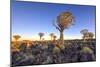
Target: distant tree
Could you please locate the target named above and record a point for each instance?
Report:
(54, 37)
(64, 21)
(16, 37)
(41, 35)
(84, 32)
(91, 35)
(51, 35)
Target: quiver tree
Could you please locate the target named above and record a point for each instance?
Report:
(63, 21)
(84, 32)
(91, 35)
(16, 37)
(86, 35)
(51, 35)
(41, 35)
(54, 37)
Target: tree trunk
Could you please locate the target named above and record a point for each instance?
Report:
(40, 38)
(62, 37)
(16, 44)
(51, 38)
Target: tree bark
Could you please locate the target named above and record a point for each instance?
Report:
(40, 38)
(51, 38)
(62, 37)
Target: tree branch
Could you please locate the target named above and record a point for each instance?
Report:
(56, 26)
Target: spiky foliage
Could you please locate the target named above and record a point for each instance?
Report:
(84, 31)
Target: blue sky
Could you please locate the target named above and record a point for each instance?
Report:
(30, 18)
